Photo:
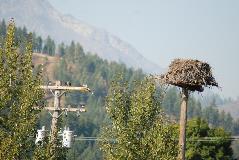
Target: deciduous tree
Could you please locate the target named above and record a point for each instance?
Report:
(215, 146)
(19, 92)
(137, 128)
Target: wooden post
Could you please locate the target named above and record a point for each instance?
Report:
(183, 123)
(55, 116)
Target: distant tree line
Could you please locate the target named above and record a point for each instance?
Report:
(40, 45)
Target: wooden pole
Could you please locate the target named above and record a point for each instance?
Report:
(55, 117)
(183, 123)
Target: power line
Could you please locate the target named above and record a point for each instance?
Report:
(201, 139)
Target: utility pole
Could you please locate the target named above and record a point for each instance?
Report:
(58, 90)
(183, 123)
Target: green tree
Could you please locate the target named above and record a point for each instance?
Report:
(49, 46)
(171, 102)
(38, 43)
(3, 29)
(61, 49)
(137, 128)
(216, 146)
(20, 91)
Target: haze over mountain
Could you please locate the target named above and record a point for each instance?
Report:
(41, 17)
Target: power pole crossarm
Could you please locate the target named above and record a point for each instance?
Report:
(82, 89)
(66, 109)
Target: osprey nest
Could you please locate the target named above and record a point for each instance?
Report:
(190, 74)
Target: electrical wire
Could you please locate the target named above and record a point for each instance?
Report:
(201, 139)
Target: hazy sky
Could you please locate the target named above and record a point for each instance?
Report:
(162, 30)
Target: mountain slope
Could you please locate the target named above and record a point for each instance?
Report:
(49, 64)
(41, 17)
(232, 108)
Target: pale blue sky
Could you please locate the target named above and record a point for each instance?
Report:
(162, 30)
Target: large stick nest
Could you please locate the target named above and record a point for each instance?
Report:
(190, 74)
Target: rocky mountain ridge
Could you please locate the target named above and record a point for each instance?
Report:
(40, 16)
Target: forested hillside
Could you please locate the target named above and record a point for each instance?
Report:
(74, 65)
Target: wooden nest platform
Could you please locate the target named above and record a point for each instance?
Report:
(190, 74)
